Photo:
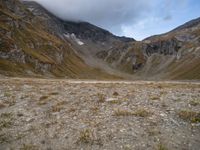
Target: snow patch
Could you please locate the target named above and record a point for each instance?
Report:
(74, 38)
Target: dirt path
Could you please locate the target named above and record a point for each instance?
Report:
(82, 114)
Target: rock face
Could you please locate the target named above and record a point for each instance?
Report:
(35, 42)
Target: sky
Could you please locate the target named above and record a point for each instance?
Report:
(138, 19)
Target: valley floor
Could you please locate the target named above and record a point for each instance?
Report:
(79, 114)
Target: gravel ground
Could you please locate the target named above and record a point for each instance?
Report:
(104, 115)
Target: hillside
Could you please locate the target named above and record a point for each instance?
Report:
(28, 46)
(174, 55)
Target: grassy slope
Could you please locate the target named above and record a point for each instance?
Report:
(29, 34)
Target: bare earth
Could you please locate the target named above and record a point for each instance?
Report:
(105, 115)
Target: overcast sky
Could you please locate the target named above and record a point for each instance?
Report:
(134, 18)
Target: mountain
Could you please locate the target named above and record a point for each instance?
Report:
(34, 42)
(174, 55)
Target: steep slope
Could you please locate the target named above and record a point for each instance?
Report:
(29, 46)
(174, 55)
(86, 39)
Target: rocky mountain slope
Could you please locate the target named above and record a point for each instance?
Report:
(33, 44)
(174, 55)
(86, 39)
(37, 42)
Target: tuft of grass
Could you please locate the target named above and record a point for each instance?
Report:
(59, 106)
(43, 97)
(43, 100)
(11, 101)
(29, 147)
(142, 113)
(194, 102)
(153, 131)
(72, 109)
(4, 138)
(155, 97)
(101, 98)
(7, 94)
(115, 94)
(94, 109)
(193, 117)
(86, 136)
(6, 120)
(123, 112)
(139, 113)
(54, 93)
(161, 147)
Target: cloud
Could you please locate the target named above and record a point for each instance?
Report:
(109, 14)
(135, 18)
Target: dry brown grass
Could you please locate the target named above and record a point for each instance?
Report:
(86, 136)
(54, 93)
(94, 109)
(155, 97)
(59, 106)
(141, 112)
(123, 112)
(187, 115)
(29, 147)
(43, 100)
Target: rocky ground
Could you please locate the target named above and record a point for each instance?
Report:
(88, 115)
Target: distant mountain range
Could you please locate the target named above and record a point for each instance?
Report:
(35, 43)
